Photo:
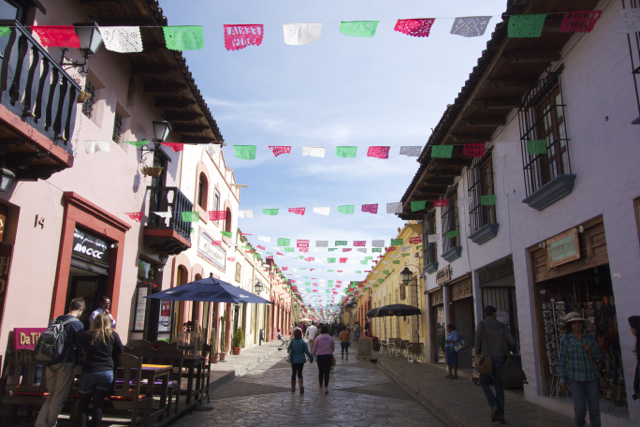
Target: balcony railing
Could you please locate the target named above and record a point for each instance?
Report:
(169, 199)
(35, 87)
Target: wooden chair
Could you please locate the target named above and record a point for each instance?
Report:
(18, 386)
(414, 351)
(160, 344)
(206, 368)
(139, 343)
(165, 356)
(126, 395)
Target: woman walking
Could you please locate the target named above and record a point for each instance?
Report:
(578, 351)
(297, 350)
(345, 337)
(451, 355)
(323, 348)
(102, 344)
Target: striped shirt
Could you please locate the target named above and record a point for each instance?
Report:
(574, 361)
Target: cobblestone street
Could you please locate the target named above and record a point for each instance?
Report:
(359, 395)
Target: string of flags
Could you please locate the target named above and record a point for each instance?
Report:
(127, 39)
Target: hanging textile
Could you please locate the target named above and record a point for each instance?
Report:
(395, 207)
(470, 26)
(57, 35)
(297, 211)
(414, 27)
(526, 26)
(359, 28)
(246, 152)
(580, 22)
(442, 151)
(136, 216)
(175, 146)
(372, 208)
(238, 37)
(346, 151)
(247, 213)
(277, 150)
(299, 34)
(122, 39)
(184, 37)
(346, 209)
(313, 151)
(322, 210)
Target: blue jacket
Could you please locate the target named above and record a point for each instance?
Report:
(298, 348)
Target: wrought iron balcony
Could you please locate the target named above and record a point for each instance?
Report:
(35, 94)
(169, 235)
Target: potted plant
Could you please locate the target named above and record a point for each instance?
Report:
(237, 341)
(223, 354)
(214, 350)
(153, 171)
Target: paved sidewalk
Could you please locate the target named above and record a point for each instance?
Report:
(460, 401)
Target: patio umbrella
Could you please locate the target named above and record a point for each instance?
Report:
(374, 313)
(208, 290)
(398, 310)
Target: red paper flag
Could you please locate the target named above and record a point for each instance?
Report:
(216, 242)
(277, 150)
(245, 234)
(238, 37)
(136, 216)
(285, 268)
(298, 211)
(175, 146)
(278, 253)
(57, 35)
(340, 271)
(305, 250)
(580, 22)
(378, 152)
(343, 260)
(261, 247)
(414, 27)
(415, 240)
(346, 249)
(231, 259)
(217, 215)
(440, 203)
(474, 150)
(392, 248)
(302, 243)
(339, 281)
(370, 208)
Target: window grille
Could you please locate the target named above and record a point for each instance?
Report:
(480, 179)
(450, 221)
(117, 127)
(634, 52)
(541, 117)
(87, 106)
(431, 252)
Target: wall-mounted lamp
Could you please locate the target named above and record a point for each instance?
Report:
(6, 178)
(161, 129)
(90, 42)
(163, 258)
(113, 245)
(258, 287)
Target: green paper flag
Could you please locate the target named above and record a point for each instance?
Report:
(489, 199)
(226, 233)
(341, 243)
(359, 28)
(271, 212)
(283, 242)
(307, 283)
(137, 143)
(363, 262)
(385, 271)
(375, 285)
(256, 255)
(346, 209)
(404, 255)
(529, 25)
(396, 262)
(305, 277)
(300, 257)
(192, 230)
(396, 242)
(419, 247)
(376, 250)
(190, 216)
(358, 272)
(442, 151)
(331, 260)
(5, 31)
(346, 151)
(329, 271)
(380, 280)
(451, 234)
(184, 37)
(536, 146)
(330, 281)
(245, 247)
(289, 249)
(246, 152)
(418, 206)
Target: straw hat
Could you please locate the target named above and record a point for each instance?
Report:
(573, 317)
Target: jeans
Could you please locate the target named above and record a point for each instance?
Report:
(586, 393)
(59, 381)
(324, 367)
(296, 368)
(95, 385)
(496, 400)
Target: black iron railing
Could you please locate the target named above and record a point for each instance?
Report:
(35, 87)
(171, 200)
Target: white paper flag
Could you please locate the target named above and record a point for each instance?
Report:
(504, 149)
(377, 243)
(411, 151)
(299, 34)
(363, 250)
(121, 39)
(470, 26)
(92, 147)
(213, 149)
(245, 214)
(265, 239)
(322, 210)
(433, 238)
(404, 248)
(313, 151)
(163, 214)
(629, 21)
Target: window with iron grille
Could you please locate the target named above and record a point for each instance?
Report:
(87, 106)
(480, 179)
(542, 117)
(450, 222)
(117, 127)
(634, 52)
(431, 252)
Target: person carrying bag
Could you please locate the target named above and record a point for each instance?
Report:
(297, 349)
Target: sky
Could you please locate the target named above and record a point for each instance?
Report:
(389, 90)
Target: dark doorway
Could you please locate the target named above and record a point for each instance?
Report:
(88, 286)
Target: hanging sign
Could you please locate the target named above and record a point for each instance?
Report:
(443, 275)
(563, 248)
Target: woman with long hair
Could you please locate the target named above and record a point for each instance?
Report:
(101, 344)
(323, 348)
(634, 324)
(297, 349)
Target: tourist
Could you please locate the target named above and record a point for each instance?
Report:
(323, 348)
(297, 350)
(450, 354)
(345, 337)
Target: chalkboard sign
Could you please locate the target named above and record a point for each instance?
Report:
(365, 347)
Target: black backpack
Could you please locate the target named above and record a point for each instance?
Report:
(50, 344)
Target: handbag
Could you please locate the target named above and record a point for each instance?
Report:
(482, 362)
(288, 359)
(511, 374)
(460, 345)
(604, 384)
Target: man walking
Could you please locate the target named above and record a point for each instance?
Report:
(490, 338)
(105, 304)
(60, 373)
(311, 334)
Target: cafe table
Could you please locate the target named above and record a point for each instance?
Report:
(157, 376)
(194, 366)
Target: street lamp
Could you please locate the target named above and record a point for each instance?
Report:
(90, 42)
(163, 258)
(406, 275)
(258, 287)
(161, 129)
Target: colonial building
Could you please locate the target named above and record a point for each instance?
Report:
(545, 221)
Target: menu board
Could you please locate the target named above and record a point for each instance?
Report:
(365, 346)
(141, 309)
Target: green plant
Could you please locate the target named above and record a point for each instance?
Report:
(238, 337)
(214, 341)
(222, 340)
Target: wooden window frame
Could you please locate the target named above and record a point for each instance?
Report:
(431, 252)
(449, 219)
(481, 183)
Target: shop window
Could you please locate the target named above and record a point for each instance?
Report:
(431, 254)
(228, 221)
(480, 179)
(541, 117)
(203, 190)
(450, 223)
(87, 106)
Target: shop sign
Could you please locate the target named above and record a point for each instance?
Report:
(164, 319)
(210, 252)
(563, 248)
(25, 338)
(443, 275)
(141, 309)
(87, 246)
(461, 290)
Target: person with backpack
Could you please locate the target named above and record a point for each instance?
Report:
(58, 346)
(102, 346)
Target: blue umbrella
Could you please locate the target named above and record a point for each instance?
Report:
(208, 290)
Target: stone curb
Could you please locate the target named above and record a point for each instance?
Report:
(443, 413)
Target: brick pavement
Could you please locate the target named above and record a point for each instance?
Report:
(461, 401)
